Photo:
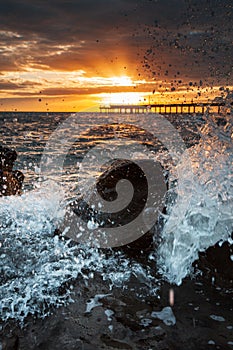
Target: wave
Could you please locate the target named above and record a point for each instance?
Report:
(35, 263)
(208, 217)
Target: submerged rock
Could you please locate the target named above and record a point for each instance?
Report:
(11, 181)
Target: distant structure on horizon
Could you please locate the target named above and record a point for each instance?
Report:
(162, 108)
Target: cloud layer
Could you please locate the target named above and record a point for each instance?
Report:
(172, 42)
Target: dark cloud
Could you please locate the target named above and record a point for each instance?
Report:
(78, 91)
(176, 40)
(7, 86)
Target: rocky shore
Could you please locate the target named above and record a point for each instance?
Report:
(201, 318)
(130, 318)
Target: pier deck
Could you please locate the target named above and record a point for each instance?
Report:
(176, 108)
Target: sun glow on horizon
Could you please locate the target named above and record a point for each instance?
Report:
(121, 81)
(126, 98)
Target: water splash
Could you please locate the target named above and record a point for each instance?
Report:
(208, 219)
(35, 263)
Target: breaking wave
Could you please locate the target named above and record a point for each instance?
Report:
(209, 217)
(35, 263)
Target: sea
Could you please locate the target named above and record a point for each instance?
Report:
(181, 280)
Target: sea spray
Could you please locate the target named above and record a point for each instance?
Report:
(35, 263)
(208, 218)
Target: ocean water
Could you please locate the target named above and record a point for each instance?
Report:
(197, 153)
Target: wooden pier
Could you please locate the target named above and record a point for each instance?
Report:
(172, 108)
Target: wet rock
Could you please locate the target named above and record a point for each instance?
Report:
(147, 181)
(11, 181)
(10, 343)
(106, 188)
(219, 260)
(70, 327)
(115, 343)
(7, 158)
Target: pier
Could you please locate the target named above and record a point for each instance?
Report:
(172, 108)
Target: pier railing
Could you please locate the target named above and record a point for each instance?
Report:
(176, 108)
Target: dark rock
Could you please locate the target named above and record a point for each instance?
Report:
(11, 181)
(106, 187)
(218, 261)
(71, 327)
(7, 158)
(151, 184)
(10, 343)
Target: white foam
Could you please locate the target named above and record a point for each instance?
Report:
(208, 218)
(166, 315)
(217, 318)
(35, 263)
(94, 302)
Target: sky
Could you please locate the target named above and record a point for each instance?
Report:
(76, 55)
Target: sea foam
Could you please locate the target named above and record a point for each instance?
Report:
(208, 217)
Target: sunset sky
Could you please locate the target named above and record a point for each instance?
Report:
(77, 54)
